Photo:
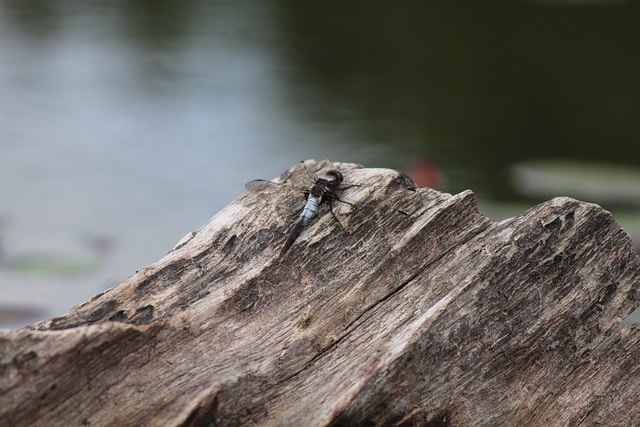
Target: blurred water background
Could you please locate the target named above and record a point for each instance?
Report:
(126, 125)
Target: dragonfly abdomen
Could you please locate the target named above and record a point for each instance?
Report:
(310, 209)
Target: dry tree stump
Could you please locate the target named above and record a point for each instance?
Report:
(421, 311)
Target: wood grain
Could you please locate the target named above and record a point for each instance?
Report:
(421, 311)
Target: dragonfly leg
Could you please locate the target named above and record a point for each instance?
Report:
(343, 201)
(334, 215)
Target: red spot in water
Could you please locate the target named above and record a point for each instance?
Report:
(425, 174)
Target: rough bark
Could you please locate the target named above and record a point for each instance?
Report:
(420, 312)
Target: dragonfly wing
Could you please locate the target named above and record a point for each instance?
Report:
(259, 184)
(285, 199)
(309, 176)
(263, 186)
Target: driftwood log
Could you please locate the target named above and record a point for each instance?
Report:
(420, 311)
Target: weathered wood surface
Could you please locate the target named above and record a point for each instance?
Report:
(423, 312)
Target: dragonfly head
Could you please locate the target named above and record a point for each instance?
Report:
(334, 175)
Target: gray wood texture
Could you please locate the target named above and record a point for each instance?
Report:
(421, 311)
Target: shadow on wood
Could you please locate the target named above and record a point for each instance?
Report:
(421, 311)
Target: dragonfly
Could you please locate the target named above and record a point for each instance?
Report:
(324, 190)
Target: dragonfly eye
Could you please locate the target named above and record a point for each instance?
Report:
(334, 175)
